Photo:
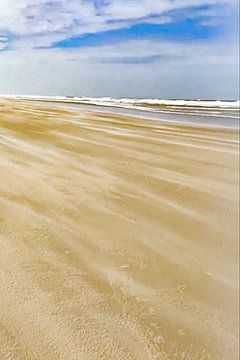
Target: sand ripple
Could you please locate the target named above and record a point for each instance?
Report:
(118, 237)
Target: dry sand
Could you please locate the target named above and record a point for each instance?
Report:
(118, 237)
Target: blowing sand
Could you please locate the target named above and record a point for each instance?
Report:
(118, 237)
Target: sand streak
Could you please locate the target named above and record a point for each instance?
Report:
(118, 237)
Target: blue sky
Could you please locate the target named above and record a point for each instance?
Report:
(139, 48)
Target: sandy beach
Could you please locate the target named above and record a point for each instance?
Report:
(118, 236)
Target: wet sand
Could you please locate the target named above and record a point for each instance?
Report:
(118, 237)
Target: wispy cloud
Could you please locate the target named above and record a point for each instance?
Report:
(149, 48)
(43, 22)
(3, 43)
(198, 70)
(132, 59)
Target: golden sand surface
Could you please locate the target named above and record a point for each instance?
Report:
(118, 237)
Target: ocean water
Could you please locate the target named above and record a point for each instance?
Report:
(216, 113)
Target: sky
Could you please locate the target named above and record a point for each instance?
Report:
(185, 49)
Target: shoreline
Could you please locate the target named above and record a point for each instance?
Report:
(171, 115)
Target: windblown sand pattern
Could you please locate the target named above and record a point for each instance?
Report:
(118, 237)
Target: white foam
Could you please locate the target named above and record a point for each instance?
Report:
(131, 102)
(142, 104)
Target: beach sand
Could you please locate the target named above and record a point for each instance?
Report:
(118, 237)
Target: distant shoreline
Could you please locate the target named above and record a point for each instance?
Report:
(109, 101)
(217, 115)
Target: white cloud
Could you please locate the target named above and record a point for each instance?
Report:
(3, 42)
(199, 70)
(45, 21)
